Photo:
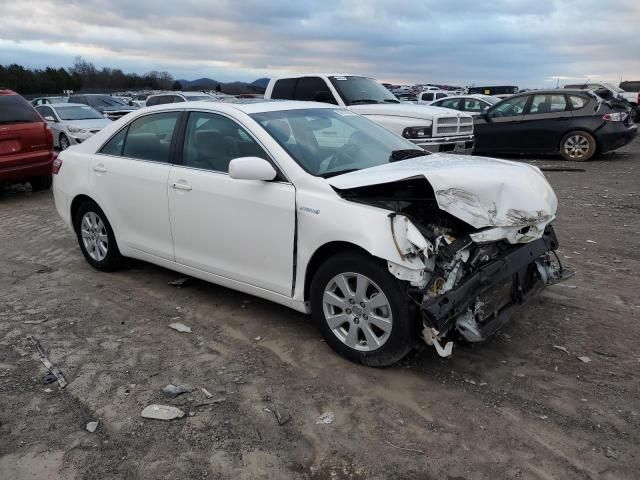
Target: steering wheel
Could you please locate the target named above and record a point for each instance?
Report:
(343, 156)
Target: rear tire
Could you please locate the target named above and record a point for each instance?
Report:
(372, 324)
(39, 184)
(578, 146)
(96, 238)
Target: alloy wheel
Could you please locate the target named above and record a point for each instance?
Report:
(64, 142)
(357, 311)
(94, 236)
(576, 147)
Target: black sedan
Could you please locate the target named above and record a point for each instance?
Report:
(574, 123)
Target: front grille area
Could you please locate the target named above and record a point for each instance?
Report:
(449, 125)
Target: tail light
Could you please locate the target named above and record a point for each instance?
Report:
(56, 165)
(615, 117)
(48, 136)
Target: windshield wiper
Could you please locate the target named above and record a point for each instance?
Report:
(391, 100)
(398, 155)
(363, 100)
(338, 172)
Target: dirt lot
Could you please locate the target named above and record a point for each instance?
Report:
(514, 407)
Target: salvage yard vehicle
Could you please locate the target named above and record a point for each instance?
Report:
(26, 143)
(612, 92)
(319, 209)
(430, 96)
(72, 123)
(471, 104)
(432, 129)
(110, 107)
(577, 124)
(179, 97)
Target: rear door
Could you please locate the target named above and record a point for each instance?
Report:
(547, 118)
(129, 180)
(23, 139)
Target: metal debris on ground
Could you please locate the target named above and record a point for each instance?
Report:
(91, 427)
(35, 322)
(282, 418)
(172, 391)
(562, 349)
(49, 378)
(206, 392)
(403, 448)
(162, 412)
(181, 282)
(35, 344)
(180, 327)
(584, 359)
(326, 418)
(258, 338)
(611, 453)
(210, 402)
(591, 241)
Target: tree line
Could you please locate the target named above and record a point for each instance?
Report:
(81, 76)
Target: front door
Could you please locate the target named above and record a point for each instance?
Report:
(129, 181)
(239, 229)
(501, 130)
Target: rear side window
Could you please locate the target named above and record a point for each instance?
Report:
(284, 89)
(314, 89)
(449, 103)
(15, 109)
(114, 146)
(427, 97)
(473, 105)
(149, 137)
(577, 102)
(146, 138)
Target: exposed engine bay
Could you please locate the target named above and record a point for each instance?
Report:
(463, 285)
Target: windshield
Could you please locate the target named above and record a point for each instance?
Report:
(106, 101)
(362, 90)
(78, 113)
(492, 100)
(327, 142)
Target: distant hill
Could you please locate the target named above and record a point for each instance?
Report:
(233, 88)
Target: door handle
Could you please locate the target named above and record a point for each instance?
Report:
(181, 186)
(100, 169)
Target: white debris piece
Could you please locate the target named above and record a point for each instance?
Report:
(562, 349)
(591, 241)
(180, 327)
(326, 418)
(92, 426)
(584, 359)
(162, 412)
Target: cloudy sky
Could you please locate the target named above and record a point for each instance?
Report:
(529, 43)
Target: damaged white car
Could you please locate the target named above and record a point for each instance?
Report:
(321, 210)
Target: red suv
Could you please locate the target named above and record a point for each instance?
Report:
(26, 143)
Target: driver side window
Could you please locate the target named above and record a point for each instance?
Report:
(510, 107)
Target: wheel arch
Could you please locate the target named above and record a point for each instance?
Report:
(322, 254)
(75, 206)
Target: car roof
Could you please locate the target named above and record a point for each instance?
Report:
(64, 104)
(248, 108)
(320, 74)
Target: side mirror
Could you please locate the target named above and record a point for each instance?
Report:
(251, 168)
(49, 118)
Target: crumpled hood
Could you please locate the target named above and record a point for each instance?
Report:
(404, 110)
(484, 192)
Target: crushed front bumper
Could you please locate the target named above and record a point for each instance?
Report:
(460, 144)
(484, 301)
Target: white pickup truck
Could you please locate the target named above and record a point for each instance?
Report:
(431, 128)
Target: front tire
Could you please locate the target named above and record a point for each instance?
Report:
(361, 310)
(578, 146)
(64, 142)
(96, 238)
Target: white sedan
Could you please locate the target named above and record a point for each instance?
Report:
(319, 209)
(71, 123)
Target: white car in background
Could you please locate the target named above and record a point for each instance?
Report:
(473, 104)
(319, 209)
(72, 123)
(179, 97)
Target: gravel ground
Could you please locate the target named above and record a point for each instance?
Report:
(513, 407)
